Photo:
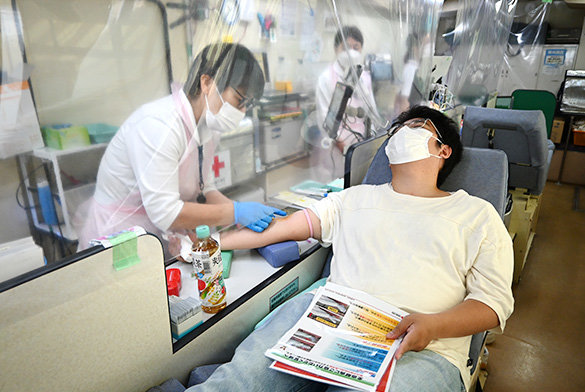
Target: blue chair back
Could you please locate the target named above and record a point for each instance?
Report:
(521, 134)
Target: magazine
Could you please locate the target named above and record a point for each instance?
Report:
(341, 340)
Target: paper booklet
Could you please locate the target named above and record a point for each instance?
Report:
(341, 340)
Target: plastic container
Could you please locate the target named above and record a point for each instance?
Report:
(63, 138)
(173, 281)
(579, 137)
(314, 186)
(47, 203)
(208, 267)
(186, 315)
(101, 132)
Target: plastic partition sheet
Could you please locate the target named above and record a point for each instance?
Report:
(411, 42)
(396, 43)
(280, 63)
(246, 116)
(77, 69)
(19, 127)
(94, 61)
(524, 48)
(479, 41)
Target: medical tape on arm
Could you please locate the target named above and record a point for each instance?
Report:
(309, 222)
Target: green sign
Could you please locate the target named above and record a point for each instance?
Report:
(285, 293)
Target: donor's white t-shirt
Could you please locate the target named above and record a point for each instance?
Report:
(423, 255)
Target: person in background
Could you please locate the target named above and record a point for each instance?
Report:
(410, 90)
(156, 171)
(328, 154)
(445, 258)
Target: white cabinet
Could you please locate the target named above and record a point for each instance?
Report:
(70, 177)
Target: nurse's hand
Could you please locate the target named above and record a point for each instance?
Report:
(255, 216)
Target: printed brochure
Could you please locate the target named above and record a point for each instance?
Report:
(341, 340)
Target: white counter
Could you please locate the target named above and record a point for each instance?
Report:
(247, 271)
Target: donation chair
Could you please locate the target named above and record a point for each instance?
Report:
(467, 175)
(521, 134)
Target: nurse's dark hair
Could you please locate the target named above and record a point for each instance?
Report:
(348, 32)
(230, 65)
(448, 129)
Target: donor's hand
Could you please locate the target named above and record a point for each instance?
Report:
(418, 330)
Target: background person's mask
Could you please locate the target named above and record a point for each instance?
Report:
(227, 119)
(348, 58)
(409, 145)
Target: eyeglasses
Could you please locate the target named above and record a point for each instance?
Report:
(414, 123)
(247, 102)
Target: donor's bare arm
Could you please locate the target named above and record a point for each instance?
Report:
(291, 228)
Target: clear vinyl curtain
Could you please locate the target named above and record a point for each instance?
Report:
(525, 45)
(19, 127)
(401, 66)
(479, 41)
(412, 33)
(94, 63)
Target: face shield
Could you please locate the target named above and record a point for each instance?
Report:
(229, 65)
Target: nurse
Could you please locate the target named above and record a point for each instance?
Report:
(156, 171)
(328, 154)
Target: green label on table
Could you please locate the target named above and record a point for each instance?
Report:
(285, 293)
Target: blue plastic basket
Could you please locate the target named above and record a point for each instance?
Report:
(101, 132)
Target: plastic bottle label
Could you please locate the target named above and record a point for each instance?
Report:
(209, 270)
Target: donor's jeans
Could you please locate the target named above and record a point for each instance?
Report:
(248, 370)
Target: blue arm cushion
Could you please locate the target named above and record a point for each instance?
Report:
(281, 253)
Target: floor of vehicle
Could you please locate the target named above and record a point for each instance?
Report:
(543, 346)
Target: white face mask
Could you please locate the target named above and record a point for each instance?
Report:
(409, 145)
(348, 58)
(226, 119)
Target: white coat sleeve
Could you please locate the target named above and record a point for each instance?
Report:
(154, 150)
(323, 95)
(370, 92)
(408, 74)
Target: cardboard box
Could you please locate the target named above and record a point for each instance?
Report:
(555, 165)
(556, 133)
(578, 137)
(573, 171)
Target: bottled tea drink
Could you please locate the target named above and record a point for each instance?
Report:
(208, 268)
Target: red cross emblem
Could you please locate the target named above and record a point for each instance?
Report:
(217, 166)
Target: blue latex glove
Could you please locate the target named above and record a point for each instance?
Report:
(255, 216)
